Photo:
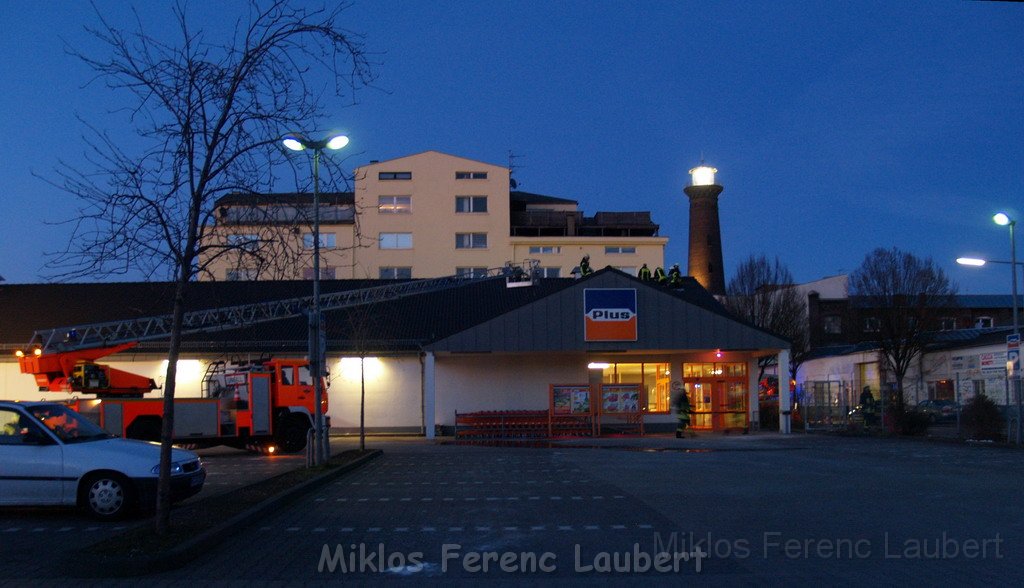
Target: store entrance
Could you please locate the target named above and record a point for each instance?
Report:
(718, 396)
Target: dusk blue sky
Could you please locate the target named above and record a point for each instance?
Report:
(836, 127)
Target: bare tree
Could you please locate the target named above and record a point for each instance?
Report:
(907, 294)
(762, 293)
(208, 114)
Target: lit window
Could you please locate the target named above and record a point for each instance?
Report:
(394, 176)
(833, 324)
(327, 240)
(983, 322)
(471, 240)
(396, 240)
(246, 242)
(549, 272)
(542, 250)
(470, 175)
(396, 273)
(871, 324)
(471, 204)
(948, 323)
(394, 204)
(471, 272)
(617, 250)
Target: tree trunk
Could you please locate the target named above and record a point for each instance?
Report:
(163, 488)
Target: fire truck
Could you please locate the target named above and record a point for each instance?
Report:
(265, 405)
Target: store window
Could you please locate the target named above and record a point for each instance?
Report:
(652, 377)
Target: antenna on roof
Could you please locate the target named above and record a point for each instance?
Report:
(512, 167)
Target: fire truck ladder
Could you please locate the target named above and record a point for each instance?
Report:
(232, 317)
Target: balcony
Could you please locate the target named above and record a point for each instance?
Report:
(557, 223)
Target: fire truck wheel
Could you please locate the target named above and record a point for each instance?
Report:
(292, 434)
(106, 495)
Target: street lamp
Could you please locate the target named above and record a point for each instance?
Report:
(1002, 219)
(298, 142)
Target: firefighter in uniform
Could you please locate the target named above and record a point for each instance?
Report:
(675, 277)
(659, 275)
(682, 406)
(645, 273)
(585, 266)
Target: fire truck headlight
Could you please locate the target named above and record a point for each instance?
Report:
(37, 351)
(19, 353)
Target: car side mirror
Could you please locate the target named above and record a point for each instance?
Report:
(33, 437)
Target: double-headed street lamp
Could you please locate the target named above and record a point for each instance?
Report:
(298, 142)
(1003, 219)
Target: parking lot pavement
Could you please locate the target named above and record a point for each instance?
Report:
(756, 509)
(31, 537)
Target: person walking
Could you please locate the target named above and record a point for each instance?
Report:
(682, 406)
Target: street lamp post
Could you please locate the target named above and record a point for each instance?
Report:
(298, 142)
(1003, 219)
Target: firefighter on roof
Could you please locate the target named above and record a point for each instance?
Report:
(585, 266)
(644, 273)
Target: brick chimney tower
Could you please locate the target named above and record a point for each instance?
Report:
(705, 262)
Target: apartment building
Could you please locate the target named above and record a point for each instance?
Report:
(424, 215)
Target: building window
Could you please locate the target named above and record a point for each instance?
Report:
(395, 240)
(629, 269)
(396, 273)
(470, 175)
(394, 204)
(246, 242)
(394, 176)
(947, 323)
(833, 324)
(471, 240)
(326, 273)
(871, 324)
(471, 204)
(652, 377)
(983, 322)
(617, 250)
(549, 272)
(327, 240)
(241, 275)
(541, 250)
(471, 272)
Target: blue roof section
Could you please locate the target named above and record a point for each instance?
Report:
(987, 300)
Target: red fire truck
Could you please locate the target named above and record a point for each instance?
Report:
(265, 405)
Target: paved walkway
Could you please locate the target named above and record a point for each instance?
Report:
(759, 508)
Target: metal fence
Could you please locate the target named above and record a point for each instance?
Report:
(841, 405)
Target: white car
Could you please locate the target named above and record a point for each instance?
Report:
(51, 455)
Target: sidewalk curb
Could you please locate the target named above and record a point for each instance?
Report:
(99, 566)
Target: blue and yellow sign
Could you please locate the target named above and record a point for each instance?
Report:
(609, 314)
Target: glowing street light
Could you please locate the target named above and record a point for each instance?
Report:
(299, 142)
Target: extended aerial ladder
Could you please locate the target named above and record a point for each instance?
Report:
(64, 359)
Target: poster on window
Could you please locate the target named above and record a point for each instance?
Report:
(570, 399)
(620, 398)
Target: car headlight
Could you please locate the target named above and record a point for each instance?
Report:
(175, 468)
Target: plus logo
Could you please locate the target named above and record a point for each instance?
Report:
(610, 314)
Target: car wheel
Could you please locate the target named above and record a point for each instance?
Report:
(107, 496)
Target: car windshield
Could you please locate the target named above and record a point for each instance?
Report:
(67, 424)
